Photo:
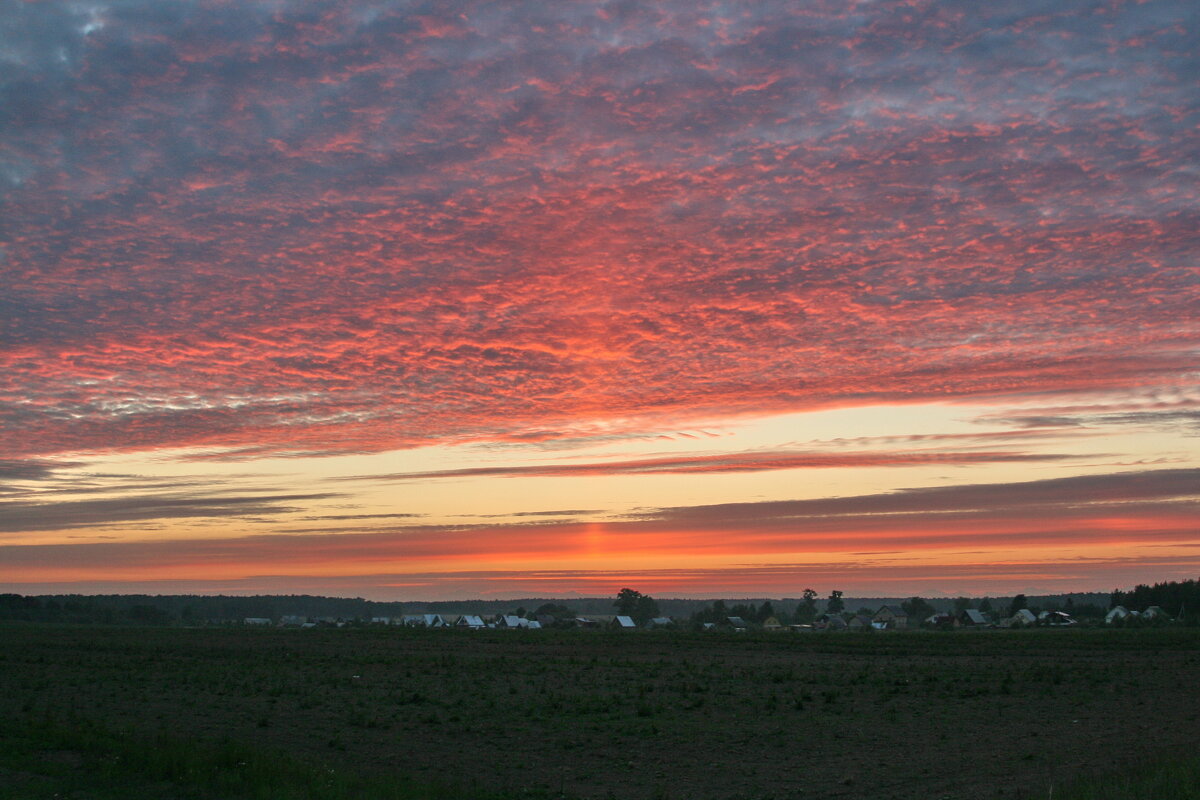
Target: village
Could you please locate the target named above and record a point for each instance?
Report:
(892, 617)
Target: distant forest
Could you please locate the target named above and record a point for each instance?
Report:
(1178, 599)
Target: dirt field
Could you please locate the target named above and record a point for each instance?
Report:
(919, 716)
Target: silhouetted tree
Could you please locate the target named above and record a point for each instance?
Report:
(554, 610)
(835, 604)
(806, 611)
(641, 607)
(1019, 602)
(917, 608)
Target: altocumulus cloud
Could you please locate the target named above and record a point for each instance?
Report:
(291, 227)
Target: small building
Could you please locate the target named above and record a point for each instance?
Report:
(830, 622)
(661, 622)
(1154, 612)
(972, 618)
(471, 621)
(859, 622)
(424, 621)
(771, 624)
(511, 621)
(1056, 619)
(1116, 614)
(622, 622)
(890, 618)
(256, 621)
(1023, 618)
(738, 624)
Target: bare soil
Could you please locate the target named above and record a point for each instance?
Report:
(891, 716)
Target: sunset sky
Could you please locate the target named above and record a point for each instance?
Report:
(465, 299)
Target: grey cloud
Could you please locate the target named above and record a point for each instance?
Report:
(62, 515)
(1164, 486)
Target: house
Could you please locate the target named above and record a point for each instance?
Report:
(1023, 617)
(890, 618)
(586, 622)
(831, 622)
(661, 622)
(1116, 614)
(859, 622)
(738, 624)
(381, 620)
(1154, 612)
(470, 621)
(941, 620)
(1056, 619)
(972, 618)
(511, 621)
(256, 621)
(771, 624)
(424, 621)
(623, 622)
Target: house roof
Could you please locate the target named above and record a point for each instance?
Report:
(737, 622)
(471, 621)
(974, 616)
(623, 621)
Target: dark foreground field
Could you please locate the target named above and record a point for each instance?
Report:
(93, 712)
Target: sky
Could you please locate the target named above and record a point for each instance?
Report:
(445, 300)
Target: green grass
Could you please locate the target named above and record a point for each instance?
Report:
(1169, 779)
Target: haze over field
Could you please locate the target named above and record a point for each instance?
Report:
(470, 299)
